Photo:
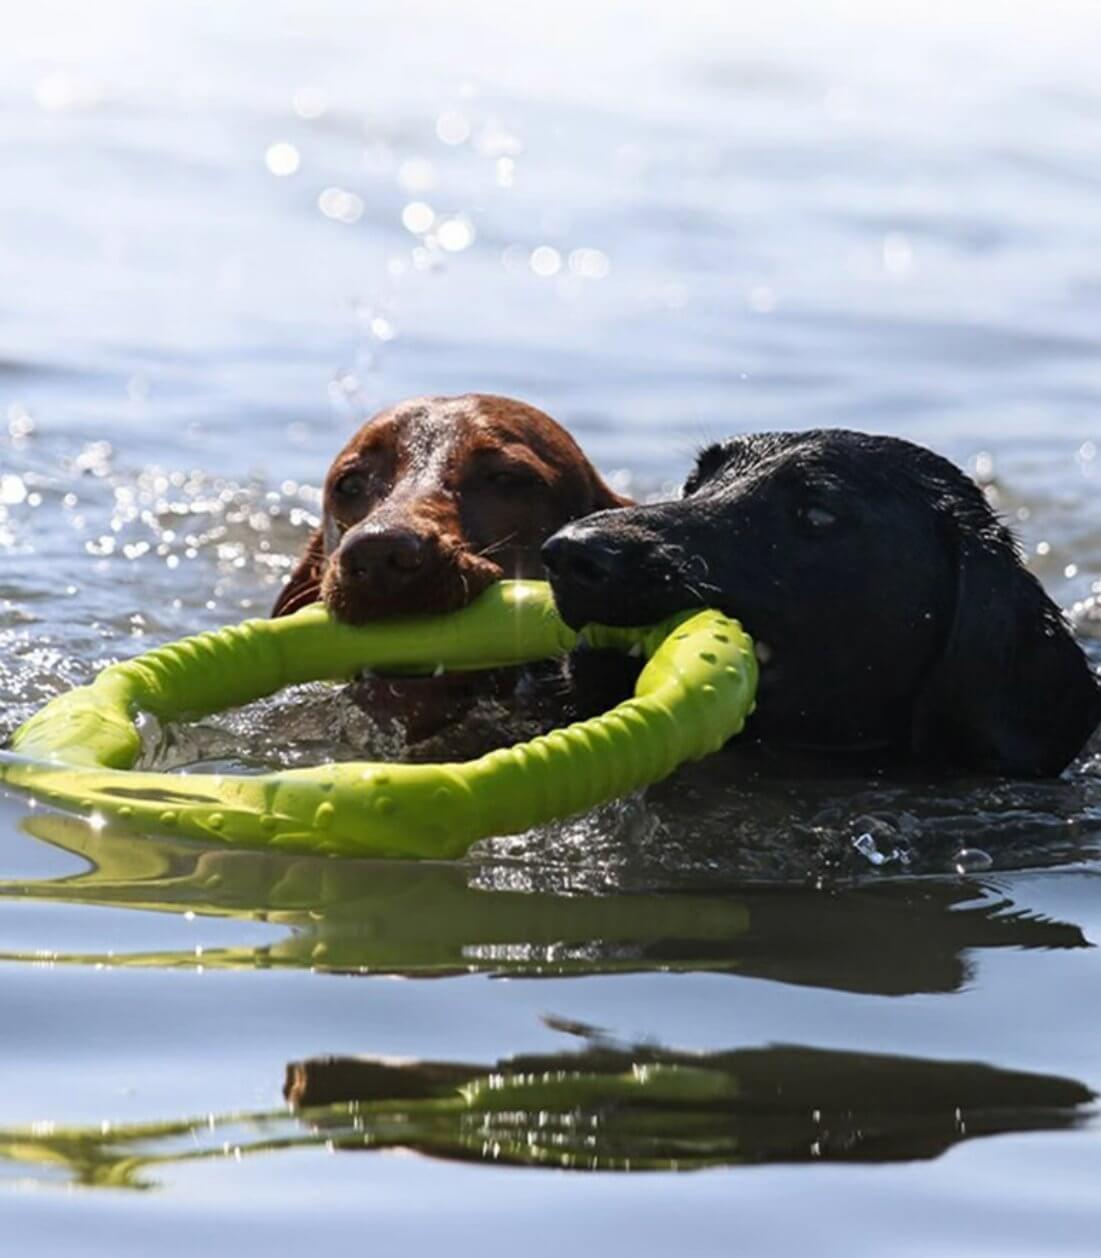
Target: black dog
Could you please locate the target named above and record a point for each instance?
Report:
(889, 604)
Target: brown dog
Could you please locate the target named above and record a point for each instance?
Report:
(434, 500)
(430, 502)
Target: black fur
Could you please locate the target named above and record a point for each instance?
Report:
(890, 605)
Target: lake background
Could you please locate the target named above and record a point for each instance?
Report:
(228, 234)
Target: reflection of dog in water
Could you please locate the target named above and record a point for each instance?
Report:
(609, 1107)
(428, 918)
(642, 1108)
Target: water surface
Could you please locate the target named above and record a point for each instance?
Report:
(697, 1020)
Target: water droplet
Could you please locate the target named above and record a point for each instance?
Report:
(546, 261)
(340, 204)
(590, 264)
(455, 234)
(865, 844)
(452, 127)
(12, 490)
(879, 842)
(417, 217)
(309, 102)
(415, 174)
(972, 860)
(282, 158)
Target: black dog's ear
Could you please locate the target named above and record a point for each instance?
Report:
(708, 462)
(1012, 692)
(304, 586)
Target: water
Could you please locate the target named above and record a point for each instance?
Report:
(661, 226)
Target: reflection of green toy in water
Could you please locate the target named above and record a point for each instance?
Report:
(693, 694)
(369, 916)
(891, 938)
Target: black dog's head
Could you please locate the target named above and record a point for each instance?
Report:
(889, 605)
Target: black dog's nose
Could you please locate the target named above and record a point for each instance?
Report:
(584, 558)
(395, 552)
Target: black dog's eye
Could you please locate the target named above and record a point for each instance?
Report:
(817, 518)
(351, 485)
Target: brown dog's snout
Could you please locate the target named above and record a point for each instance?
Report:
(384, 568)
(393, 554)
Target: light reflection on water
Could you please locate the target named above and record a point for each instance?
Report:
(227, 235)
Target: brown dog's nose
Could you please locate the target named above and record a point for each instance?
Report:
(396, 553)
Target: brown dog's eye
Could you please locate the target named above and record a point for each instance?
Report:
(817, 518)
(511, 478)
(353, 485)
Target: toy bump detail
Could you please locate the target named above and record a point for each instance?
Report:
(694, 693)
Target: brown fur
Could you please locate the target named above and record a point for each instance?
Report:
(451, 495)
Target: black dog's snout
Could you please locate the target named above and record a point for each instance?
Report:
(580, 557)
(397, 552)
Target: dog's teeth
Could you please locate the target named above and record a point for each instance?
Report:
(636, 650)
(438, 671)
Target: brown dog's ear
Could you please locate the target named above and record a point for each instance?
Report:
(582, 491)
(304, 586)
(1012, 692)
(601, 497)
(605, 499)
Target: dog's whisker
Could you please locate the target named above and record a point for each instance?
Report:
(493, 547)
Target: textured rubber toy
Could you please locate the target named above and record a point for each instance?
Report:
(694, 693)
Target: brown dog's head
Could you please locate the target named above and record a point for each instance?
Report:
(435, 499)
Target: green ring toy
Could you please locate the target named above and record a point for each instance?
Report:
(693, 694)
